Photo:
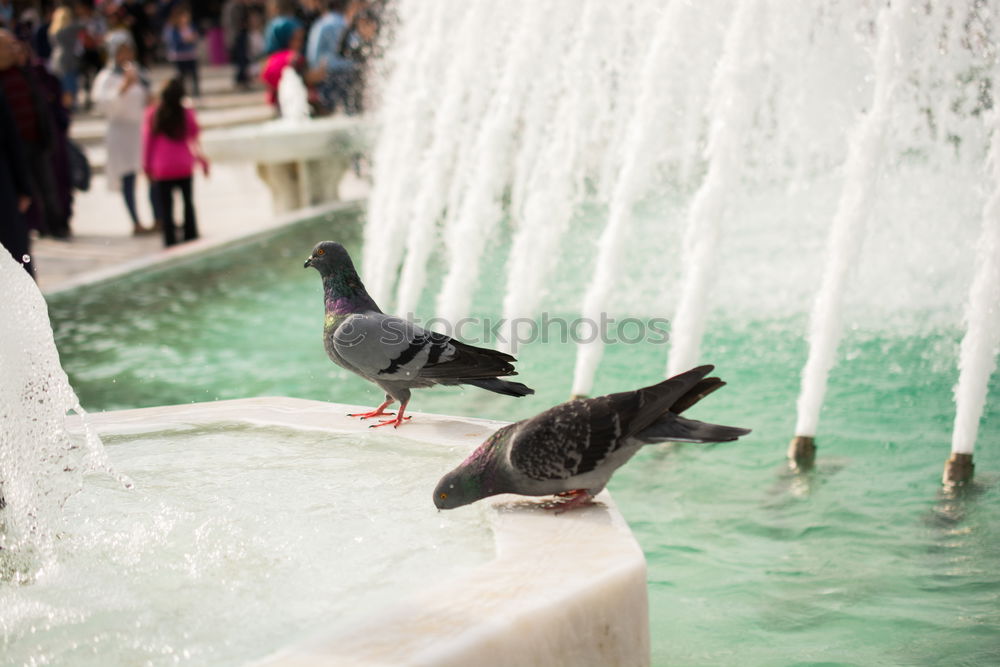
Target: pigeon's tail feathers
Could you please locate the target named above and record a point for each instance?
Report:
(704, 387)
(678, 429)
(505, 387)
(646, 405)
(484, 352)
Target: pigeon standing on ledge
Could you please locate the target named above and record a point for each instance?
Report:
(395, 354)
(572, 450)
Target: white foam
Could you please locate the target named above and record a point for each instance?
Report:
(40, 465)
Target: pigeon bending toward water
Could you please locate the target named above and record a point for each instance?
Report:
(572, 450)
(395, 354)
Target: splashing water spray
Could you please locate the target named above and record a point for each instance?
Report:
(41, 465)
(718, 119)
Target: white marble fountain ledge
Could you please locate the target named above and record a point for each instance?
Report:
(301, 161)
(567, 589)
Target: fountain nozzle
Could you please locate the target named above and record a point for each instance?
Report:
(958, 470)
(802, 452)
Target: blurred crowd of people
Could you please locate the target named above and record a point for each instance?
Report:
(71, 37)
(327, 43)
(55, 60)
(61, 57)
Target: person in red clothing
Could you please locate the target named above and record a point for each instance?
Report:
(289, 40)
(289, 44)
(170, 150)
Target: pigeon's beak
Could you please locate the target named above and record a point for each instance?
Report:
(309, 262)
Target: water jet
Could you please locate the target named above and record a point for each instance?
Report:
(981, 342)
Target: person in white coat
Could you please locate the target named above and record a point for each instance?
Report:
(121, 91)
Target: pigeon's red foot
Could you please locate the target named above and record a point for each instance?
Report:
(377, 412)
(577, 498)
(367, 415)
(395, 422)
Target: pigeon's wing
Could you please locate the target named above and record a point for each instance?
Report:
(383, 347)
(462, 362)
(576, 437)
(389, 348)
(570, 439)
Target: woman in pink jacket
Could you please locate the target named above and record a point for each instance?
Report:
(169, 152)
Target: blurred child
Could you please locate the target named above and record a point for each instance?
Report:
(170, 151)
(93, 28)
(64, 34)
(181, 40)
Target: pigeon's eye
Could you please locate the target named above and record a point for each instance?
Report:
(320, 251)
(443, 496)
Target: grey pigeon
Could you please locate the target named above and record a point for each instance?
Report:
(395, 354)
(572, 450)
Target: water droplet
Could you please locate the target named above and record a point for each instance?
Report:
(25, 259)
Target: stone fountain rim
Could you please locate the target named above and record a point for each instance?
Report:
(546, 569)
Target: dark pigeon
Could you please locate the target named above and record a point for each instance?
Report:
(395, 354)
(572, 450)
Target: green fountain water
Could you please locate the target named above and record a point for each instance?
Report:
(861, 561)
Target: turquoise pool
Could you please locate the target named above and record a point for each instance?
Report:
(861, 562)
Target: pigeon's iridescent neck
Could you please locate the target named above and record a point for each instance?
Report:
(340, 305)
(345, 295)
(484, 464)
